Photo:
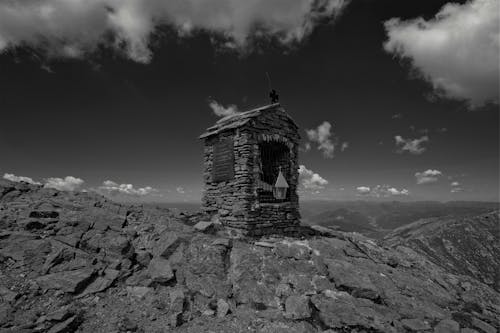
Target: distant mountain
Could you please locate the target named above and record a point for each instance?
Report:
(469, 245)
(345, 219)
(376, 219)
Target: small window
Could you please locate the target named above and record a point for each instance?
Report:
(273, 156)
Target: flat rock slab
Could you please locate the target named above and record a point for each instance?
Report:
(159, 270)
(204, 226)
(68, 281)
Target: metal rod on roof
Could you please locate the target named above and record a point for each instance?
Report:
(269, 81)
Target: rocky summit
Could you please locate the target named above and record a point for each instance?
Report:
(78, 262)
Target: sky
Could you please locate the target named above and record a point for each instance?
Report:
(395, 100)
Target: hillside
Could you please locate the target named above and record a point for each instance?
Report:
(77, 262)
(377, 218)
(469, 246)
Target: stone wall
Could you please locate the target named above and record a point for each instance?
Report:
(235, 202)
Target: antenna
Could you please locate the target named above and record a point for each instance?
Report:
(273, 95)
(269, 81)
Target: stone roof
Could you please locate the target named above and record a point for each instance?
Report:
(242, 118)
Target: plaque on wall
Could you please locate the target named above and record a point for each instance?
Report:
(223, 160)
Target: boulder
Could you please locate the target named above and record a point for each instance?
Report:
(206, 227)
(159, 270)
(7, 295)
(415, 325)
(222, 308)
(447, 326)
(338, 309)
(297, 307)
(353, 278)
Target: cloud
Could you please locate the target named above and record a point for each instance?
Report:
(381, 191)
(68, 183)
(62, 28)
(455, 183)
(457, 51)
(344, 146)
(221, 111)
(112, 188)
(456, 190)
(428, 176)
(311, 180)
(325, 139)
(180, 190)
(17, 179)
(363, 189)
(409, 145)
(397, 116)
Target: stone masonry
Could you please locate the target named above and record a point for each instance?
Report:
(235, 201)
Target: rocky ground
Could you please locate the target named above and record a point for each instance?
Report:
(77, 262)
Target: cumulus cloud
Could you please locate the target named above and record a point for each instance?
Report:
(381, 191)
(222, 111)
(74, 28)
(180, 190)
(397, 116)
(455, 183)
(363, 189)
(311, 180)
(324, 138)
(413, 146)
(112, 188)
(17, 179)
(68, 183)
(344, 146)
(428, 176)
(457, 51)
